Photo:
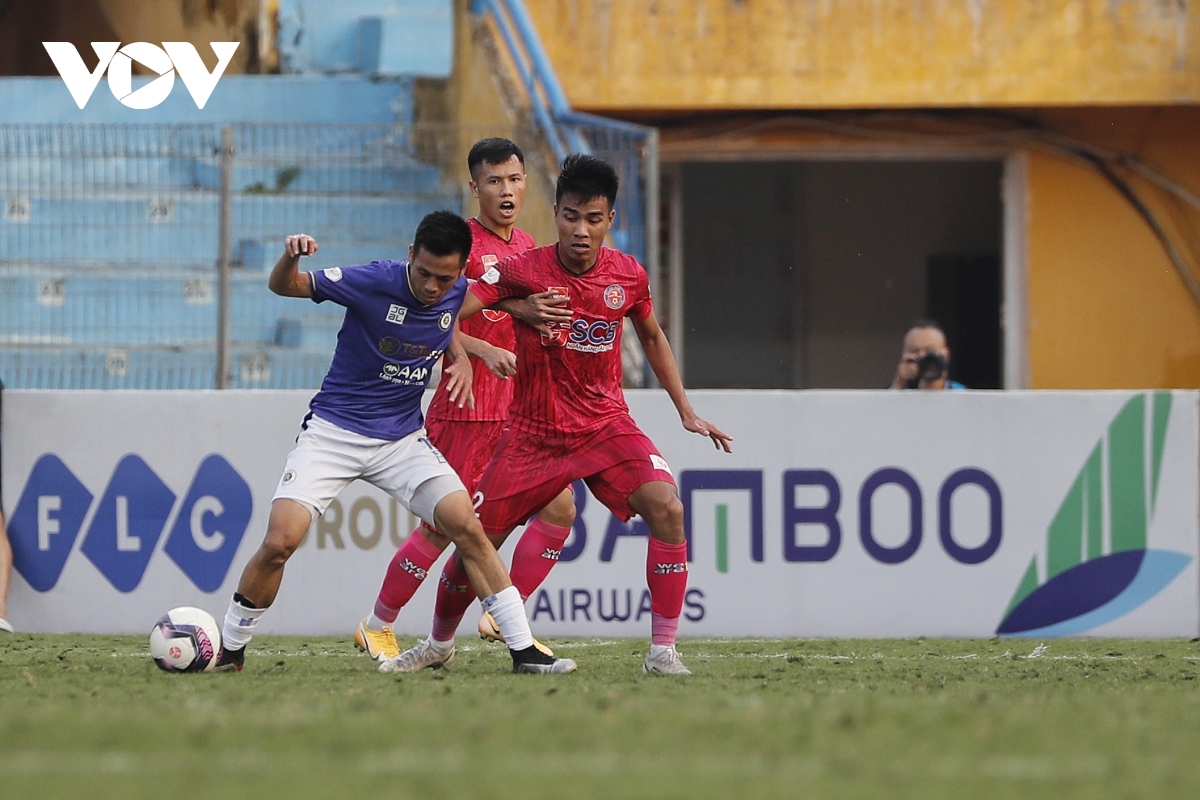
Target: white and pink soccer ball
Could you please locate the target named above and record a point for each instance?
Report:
(185, 639)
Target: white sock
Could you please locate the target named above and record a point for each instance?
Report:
(376, 624)
(441, 647)
(658, 649)
(239, 625)
(509, 612)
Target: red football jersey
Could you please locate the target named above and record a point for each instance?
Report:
(569, 381)
(492, 395)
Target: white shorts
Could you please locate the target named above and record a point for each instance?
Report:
(327, 458)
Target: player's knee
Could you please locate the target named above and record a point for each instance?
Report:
(286, 529)
(454, 517)
(560, 511)
(665, 516)
(278, 546)
(471, 542)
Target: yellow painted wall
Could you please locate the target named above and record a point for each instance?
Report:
(656, 55)
(1106, 307)
(198, 22)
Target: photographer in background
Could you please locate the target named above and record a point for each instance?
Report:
(925, 359)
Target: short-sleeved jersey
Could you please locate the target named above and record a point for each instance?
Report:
(569, 381)
(386, 349)
(493, 396)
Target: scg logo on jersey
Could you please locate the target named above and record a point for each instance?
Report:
(593, 337)
(163, 61)
(132, 514)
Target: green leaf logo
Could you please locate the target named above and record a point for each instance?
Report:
(1117, 484)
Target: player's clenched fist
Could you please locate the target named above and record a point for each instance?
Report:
(299, 244)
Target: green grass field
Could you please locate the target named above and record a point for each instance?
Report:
(91, 716)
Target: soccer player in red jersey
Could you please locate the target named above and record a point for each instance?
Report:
(569, 419)
(466, 436)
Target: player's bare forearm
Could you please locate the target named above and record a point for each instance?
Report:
(541, 310)
(469, 344)
(662, 361)
(286, 277)
(457, 374)
(500, 362)
(458, 345)
(471, 306)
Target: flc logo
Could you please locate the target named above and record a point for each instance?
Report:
(1097, 565)
(163, 61)
(123, 529)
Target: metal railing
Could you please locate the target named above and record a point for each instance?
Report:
(632, 149)
(113, 237)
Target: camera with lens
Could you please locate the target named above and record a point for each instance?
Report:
(930, 367)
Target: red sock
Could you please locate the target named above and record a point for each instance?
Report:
(663, 629)
(666, 575)
(405, 573)
(536, 554)
(454, 596)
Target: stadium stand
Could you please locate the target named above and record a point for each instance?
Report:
(109, 242)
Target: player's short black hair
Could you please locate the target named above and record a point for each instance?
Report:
(443, 233)
(587, 178)
(493, 150)
(928, 322)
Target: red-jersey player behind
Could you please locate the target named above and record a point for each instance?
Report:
(569, 419)
(466, 436)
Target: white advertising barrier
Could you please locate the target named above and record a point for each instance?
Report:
(839, 514)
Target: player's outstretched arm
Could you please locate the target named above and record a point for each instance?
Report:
(286, 277)
(662, 361)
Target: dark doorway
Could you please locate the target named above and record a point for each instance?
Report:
(25, 25)
(806, 274)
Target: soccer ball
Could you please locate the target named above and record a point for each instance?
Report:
(185, 639)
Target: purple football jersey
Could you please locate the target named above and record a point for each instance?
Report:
(386, 349)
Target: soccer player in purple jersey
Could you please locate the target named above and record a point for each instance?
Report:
(366, 422)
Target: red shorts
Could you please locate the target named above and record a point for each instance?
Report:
(527, 471)
(466, 444)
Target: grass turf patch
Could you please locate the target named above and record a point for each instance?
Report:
(309, 717)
